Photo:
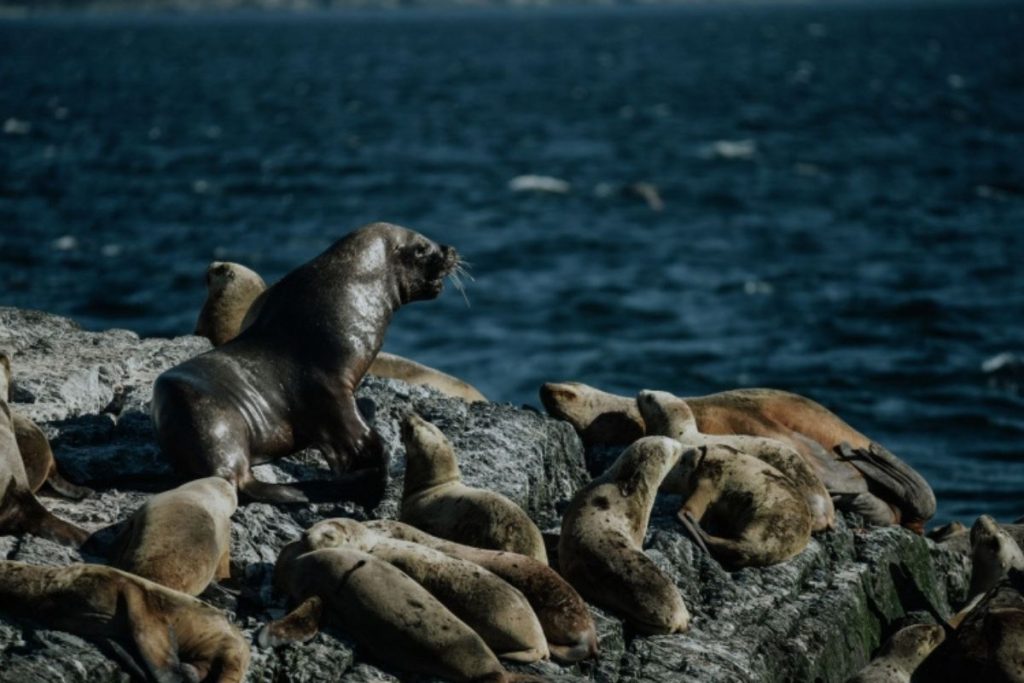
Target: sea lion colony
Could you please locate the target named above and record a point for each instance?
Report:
(463, 580)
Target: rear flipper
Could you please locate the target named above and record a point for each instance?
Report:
(691, 525)
(732, 553)
(873, 509)
(894, 481)
(300, 625)
(65, 488)
(365, 487)
(22, 513)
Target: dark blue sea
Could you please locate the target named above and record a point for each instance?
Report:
(842, 190)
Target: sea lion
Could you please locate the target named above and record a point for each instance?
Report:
(231, 306)
(40, 465)
(394, 618)
(435, 500)
(901, 655)
(231, 288)
(287, 381)
(667, 415)
(498, 612)
(181, 538)
(600, 550)
(947, 532)
(993, 554)
(20, 511)
(988, 645)
(568, 625)
(177, 637)
(861, 475)
(758, 517)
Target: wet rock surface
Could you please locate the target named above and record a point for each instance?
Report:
(818, 617)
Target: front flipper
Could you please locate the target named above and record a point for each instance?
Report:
(300, 625)
(894, 481)
(692, 528)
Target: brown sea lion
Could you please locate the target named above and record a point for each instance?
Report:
(600, 550)
(993, 554)
(380, 607)
(861, 475)
(435, 500)
(181, 538)
(232, 290)
(988, 644)
(568, 625)
(20, 511)
(498, 612)
(177, 637)
(901, 655)
(758, 515)
(287, 381)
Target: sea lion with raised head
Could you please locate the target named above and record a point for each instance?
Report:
(287, 382)
(498, 612)
(600, 550)
(177, 637)
(993, 554)
(435, 500)
(758, 515)
(901, 655)
(397, 620)
(234, 298)
(181, 538)
(861, 475)
(567, 622)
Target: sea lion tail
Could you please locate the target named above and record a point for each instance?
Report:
(894, 481)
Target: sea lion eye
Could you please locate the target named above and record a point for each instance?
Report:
(420, 251)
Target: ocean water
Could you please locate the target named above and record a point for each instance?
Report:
(841, 190)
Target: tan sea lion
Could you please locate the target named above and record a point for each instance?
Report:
(901, 655)
(230, 290)
(394, 618)
(233, 289)
(993, 554)
(177, 637)
(435, 499)
(181, 538)
(861, 475)
(498, 612)
(758, 516)
(287, 382)
(568, 625)
(20, 511)
(668, 415)
(988, 645)
(600, 549)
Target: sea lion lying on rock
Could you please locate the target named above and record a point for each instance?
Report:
(600, 550)
(498, 612)
(568, 625)
(177, 637)
(397, 620)
(901, 655)
(435, 500)
(860, 475)
(231, 291)
(181, 538)
(759, 516)
(287, 382)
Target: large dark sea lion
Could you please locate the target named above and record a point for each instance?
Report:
(176, 637)
(287, 381)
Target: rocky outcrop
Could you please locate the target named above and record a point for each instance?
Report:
(819, 616)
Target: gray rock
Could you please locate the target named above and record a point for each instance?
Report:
(819, 616)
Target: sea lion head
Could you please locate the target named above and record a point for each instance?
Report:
(598, 417)
(645, 464)
(665, 414)
(993, 554)
(912, 644)
(429, 456)
(417, 264)
(223, 275)
(338, 532)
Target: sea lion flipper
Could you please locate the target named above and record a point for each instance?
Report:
(154, 638)
(894, 480)
(32, 517)
(65, 488)
(299, 625)
(692, 528)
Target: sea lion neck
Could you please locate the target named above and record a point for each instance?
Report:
(429, 465)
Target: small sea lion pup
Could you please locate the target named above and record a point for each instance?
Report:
(498, 612)
(435, 499)
(394, 618)
(181, 538)
(177, 637)
(568, 625)
(760, 516)
(901, 655)
(861, 475)
(231, 291)
(287, 381)
(600, 550)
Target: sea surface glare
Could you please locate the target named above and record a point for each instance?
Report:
(842, 190)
